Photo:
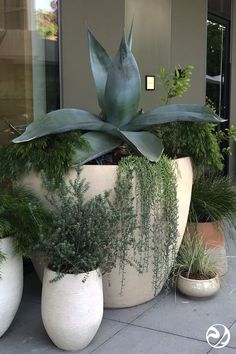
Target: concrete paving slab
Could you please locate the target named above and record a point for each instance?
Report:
(225, 350)
(190, 318)
(135, 340)
(28, 336)
(128, 315)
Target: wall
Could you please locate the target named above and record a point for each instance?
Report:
(152, 40)
(188, 44)
(106, 19)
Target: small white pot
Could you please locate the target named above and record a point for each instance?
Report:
(11, 284)
(72, 310)
(198, 288)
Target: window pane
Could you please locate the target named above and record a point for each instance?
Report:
(216, 63)
(29, 67)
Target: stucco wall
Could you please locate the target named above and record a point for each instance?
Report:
(152, 40)
(188, 44)
(106, 19)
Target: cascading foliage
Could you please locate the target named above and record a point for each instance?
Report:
(148, 221)
(118, 87)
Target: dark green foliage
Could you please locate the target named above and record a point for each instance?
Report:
(21, 215)
(200, 141)
(81, 236)
(213, 199)
(52, 155)
(156, 219)
(193, 261)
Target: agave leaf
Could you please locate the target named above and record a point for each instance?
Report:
(130, 37)
(123, 88)
(100, 144)
(100, 64)
(145, 144)
(61, 121)
(173, 113)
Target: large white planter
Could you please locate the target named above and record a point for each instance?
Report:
(138, 287)
(11, 284)
(72, 310)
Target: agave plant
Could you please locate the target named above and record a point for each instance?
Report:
(118, 87)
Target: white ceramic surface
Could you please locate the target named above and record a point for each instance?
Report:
(198, 288)
(11, 284)
(138, 288)
(72, 310)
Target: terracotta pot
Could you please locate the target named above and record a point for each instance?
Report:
(198, 288)
(212, 235)
(72, 308)
(138, 287)
(11, 284)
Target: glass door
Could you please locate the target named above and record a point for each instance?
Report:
(218, 67)
(217, 76)
(29, 62)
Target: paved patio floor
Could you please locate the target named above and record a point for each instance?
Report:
(170, 324)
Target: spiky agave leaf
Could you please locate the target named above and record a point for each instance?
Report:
(61, 121)
(100, 64)
(173, 113)
(118, 88)
(130, 36)
(100, 144)
(123, 88)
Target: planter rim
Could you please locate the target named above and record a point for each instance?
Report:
(220, 222)
(115, 165)
(5, 238)
(199, 280)
(74, 275)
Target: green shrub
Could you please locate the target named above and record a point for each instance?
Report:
(82, 233)
(213, 199)
(53, 155)
(21, 215)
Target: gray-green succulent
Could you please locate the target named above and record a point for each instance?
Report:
(118, 87)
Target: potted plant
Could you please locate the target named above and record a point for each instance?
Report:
(120, 124)
(18, 231)
(213, 203)
(196, 273)
(79, 250)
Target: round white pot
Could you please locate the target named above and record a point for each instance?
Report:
(72, 310)
(198, 288)
(138, 287)
(11, 284)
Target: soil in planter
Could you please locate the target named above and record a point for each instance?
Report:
(114, 157)
(198, 276)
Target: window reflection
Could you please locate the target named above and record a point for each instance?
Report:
(29, 68)
(216, 65)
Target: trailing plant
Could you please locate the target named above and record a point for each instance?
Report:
(150, 242)
(118, 87)
(82, 233)
(53, 155)
(213, 199)
(193, 261)
(21, 215)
